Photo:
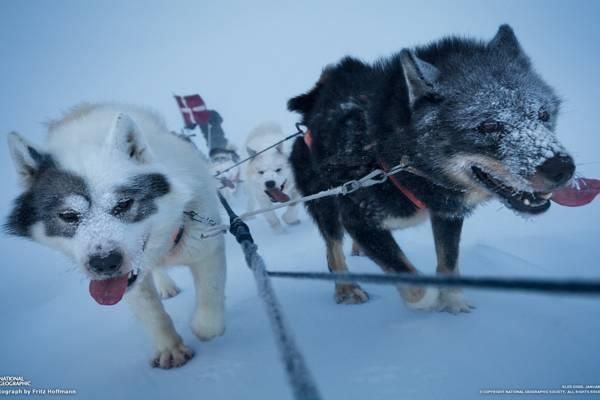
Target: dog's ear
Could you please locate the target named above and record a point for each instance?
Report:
(250, 152)
(506, 41)
(420, 76)
(27, 158)
(126, 137)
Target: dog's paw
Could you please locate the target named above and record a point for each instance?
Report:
(207, 326)
(165, 285)
(166, 291)
(453, 301)
(420, 298)
(172, 357)
(350, 293)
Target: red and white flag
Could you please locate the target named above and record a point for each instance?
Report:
(193, 109)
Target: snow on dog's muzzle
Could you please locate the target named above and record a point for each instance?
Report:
(533, 194)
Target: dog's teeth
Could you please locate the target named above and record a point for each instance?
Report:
(546, 196)
(527, 202)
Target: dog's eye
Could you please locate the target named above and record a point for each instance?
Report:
(261, 172)
(69, 216)
(278, 170)
(544, 116)
(122, 207)
(490, 127)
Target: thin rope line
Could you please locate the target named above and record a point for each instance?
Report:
(553, 286)
(299, 376)
(293, 135)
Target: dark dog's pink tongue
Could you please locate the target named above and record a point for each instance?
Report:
(108, 292)
(277, 196)
(581, 192)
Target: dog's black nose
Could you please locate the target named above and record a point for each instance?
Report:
(558, 169)
(270, 184)
(105, 264)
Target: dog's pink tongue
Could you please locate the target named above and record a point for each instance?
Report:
(108, 292)
(277, 196)
(581, 192)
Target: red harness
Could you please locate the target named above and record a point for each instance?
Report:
(308, 139)
(405, 191)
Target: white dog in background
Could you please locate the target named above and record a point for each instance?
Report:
(110, 191)
(269, 177)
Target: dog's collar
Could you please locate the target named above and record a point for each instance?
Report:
(405, 191)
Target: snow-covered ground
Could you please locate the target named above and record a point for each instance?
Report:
(246, 61)
(55, 335)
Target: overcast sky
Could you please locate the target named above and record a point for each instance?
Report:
(247, 58)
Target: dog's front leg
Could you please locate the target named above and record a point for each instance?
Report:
(165, 285)
(274, 222)
(209, 275)
(270, 216)
(379, 244)
(147, 306)
(446, 234)
(290, 216)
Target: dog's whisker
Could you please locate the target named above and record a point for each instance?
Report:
(587, 163)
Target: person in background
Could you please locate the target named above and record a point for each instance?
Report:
(195, 113)
(219, 149)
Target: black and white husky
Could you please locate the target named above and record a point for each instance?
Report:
(110, 190)
(472, 120)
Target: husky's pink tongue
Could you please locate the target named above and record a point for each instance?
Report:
(108, 292)
(277, 196)
(581, 192)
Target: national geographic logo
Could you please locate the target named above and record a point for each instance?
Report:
(14, 381)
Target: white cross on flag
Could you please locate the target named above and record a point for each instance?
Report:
(193, 109)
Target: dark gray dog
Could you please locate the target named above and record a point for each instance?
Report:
(473, 120)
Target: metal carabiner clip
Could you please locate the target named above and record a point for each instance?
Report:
(350, 186)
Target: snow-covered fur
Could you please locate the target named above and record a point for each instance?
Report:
(270, 172)
(472, 119)
(109, 190)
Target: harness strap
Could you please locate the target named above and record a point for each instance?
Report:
(177, 236)
(308, 139)
(405, 191)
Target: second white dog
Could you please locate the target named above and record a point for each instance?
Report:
(269, 177)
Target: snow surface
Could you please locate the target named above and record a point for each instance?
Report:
(57, 336)
(246, 62)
